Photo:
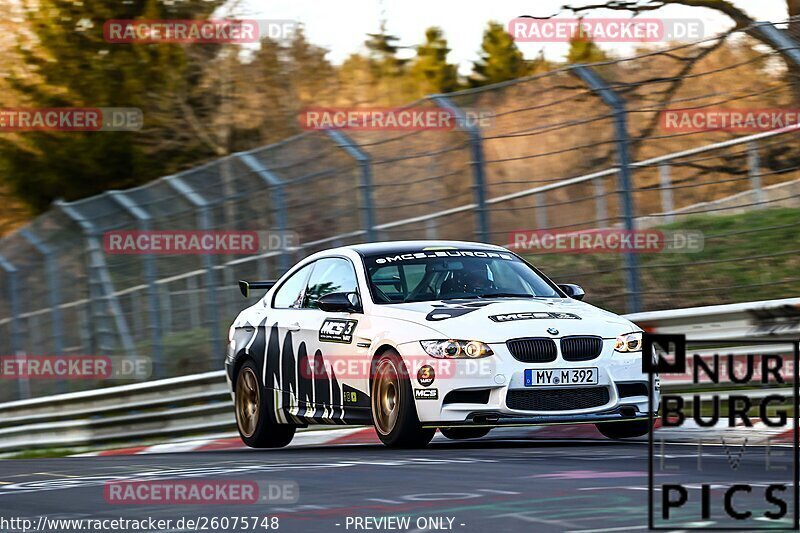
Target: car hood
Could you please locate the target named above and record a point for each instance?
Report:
(496, 320)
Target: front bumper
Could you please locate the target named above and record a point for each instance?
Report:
(483, 419)
(495, 376)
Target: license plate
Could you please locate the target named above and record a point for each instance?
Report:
(560, 376)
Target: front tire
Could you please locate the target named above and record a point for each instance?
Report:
(255, 414)
(624, 430)
(394, 412)
(465, 433)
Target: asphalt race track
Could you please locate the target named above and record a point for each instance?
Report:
(489, 485)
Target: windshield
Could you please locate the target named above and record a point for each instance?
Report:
(453, 274)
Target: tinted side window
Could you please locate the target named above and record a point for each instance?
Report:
(290, 294)
(330, 275)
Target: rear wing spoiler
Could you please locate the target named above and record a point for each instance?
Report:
(245, 286)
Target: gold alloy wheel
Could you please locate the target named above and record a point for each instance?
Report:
(247, 401)
(386, 396)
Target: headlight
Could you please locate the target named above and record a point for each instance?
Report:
(629, 342)
(455, 349)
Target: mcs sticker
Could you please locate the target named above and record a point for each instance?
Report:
(337, 330)
(426, 394)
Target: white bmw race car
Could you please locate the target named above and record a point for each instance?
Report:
(418, 335)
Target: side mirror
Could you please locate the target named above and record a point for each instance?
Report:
(335, 302)
(573, 291)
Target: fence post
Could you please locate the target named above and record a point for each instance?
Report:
(431, 232)
(600, 201)
(783, 43)
(16, 314)
(541, 211)
(617, 105)
(100, 285)
(478, 163)
(150, 276)
(278, 199)
(365, 183)
(204, 222)
(53, 291)
(53, 286)
(665, 179)
(194, 302)
(754, 172)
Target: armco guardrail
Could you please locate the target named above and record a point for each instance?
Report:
(200, 404)
(776, 319)
(187, 405)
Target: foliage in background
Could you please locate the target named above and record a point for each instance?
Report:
(205, 101)
(500, 59)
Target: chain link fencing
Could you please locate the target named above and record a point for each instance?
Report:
(579, 148)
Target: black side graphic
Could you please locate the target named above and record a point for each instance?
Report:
(314, 386)
(305, 384)
(273, 374)
(288, 372)
(336, 400)
(322, 385)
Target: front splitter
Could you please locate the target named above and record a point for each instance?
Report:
(504, 420)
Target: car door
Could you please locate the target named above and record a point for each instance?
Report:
(283, 313)
(335, 362)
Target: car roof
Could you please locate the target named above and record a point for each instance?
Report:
(393, 247)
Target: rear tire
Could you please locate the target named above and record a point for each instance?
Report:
(624, 430)
(465, 433)
(255, 413)
(394, 411)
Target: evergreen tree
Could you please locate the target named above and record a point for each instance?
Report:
(582, 49)
(389, 71)
(500, 58)
(69, 64)
(431, 72)
(383, 53)
(540, 65)
(311, 74)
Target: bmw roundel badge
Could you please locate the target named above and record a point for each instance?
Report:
(552, 331)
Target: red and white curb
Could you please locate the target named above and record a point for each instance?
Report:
(758, 434)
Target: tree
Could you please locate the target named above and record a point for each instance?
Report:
(739, 16)
(540, 65)
(69, 64)
(273, 85)
(383, 53)
(430, 70)
(310, 73)
(388, 70)
(582, 49)
(500, 59)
